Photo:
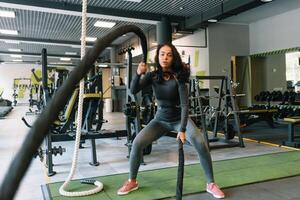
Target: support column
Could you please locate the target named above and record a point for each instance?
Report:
(164, 31)
(114, 70)
(113, 54)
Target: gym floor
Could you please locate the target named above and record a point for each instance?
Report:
(111, 154)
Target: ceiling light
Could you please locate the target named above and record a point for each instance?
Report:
(11, 42)
(5, 13)
(90, 39)
(266, 1)
(18, 41)
(15, 50)
(16, 56)
(60, 63)
(17, 60)
(136, 1)
(71, 53)
(102, 65)
(8, 32)
(75, 46)
(154, 43)
(65, 59)
(104, 24)
(212, 20)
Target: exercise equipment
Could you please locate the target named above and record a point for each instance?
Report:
(133, 110)
(286, 97)
(4, 102)
(64, 126)
(15, 96)
(194, 110)
(35, 95)
(180, 171)
(293, 141)
(40, 128)
(220, 116)
(98, 184)
(148, 107)
(254, 115)
(5, 106)
(20, 87)
(58, 75)
(4, 110)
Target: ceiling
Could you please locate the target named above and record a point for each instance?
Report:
(56, 24)
(262, 12)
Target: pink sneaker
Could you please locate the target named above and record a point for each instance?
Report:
(128, 186)
(214, 189)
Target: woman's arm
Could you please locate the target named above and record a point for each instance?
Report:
(138, 82)
(184, 104)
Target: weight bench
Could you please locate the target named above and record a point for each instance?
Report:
(292, 139)
(263, 115)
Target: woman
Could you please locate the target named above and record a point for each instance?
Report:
(171, 91)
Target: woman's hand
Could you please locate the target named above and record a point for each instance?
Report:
(142, 68)
(181, 136)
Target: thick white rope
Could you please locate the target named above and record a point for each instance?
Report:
(79, 122)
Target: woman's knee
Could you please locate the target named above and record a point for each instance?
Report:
(197, 138)
(136, 145)
(139, 143)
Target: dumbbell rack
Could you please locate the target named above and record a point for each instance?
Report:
(287, 103)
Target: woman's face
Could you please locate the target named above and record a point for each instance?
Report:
(165, 57)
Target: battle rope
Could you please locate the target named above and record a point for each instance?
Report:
(41, 126)
(180, 172)
(98, 184)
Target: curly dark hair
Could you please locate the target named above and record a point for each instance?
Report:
(180, 70)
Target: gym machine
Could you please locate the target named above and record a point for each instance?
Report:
(20, 86)
(63, 130)
(133, 110)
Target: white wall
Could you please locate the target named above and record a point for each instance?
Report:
(275, 33)
(194, 46)
(275, 67)
(196, 39)
(224, 41)
(7, 74)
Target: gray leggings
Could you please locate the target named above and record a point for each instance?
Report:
(155, 129)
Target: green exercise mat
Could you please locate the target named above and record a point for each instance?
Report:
(161, 183)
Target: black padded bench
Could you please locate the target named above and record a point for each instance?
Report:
(4, 110)
(262, 115)
(292, 139)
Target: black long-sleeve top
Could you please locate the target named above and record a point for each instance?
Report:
(171, 95)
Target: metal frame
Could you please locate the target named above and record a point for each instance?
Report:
(224, 86)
